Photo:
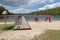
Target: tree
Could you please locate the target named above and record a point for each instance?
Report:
(2, 9)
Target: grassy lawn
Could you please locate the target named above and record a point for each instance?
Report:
(48, 35)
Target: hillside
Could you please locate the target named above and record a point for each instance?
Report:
(55, 11)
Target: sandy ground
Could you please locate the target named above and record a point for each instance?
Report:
(37, 28)
(1, 23)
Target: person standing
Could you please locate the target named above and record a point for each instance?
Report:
(36, 19)
(48, 18)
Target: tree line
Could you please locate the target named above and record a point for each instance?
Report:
(54, 11)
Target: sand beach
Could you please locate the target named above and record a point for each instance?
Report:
(37, 28)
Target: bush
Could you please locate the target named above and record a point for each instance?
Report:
(8, 27)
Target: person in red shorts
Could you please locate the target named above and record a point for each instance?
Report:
(48, 18)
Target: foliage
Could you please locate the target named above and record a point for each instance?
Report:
(3, 9)
(48, 35)
(55, 11)
(8, 27)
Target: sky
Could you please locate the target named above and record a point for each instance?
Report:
(27, 6)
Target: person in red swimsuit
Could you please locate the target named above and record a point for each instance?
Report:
(48, 18)
(36, 19)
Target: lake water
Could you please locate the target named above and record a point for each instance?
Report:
(31, 18)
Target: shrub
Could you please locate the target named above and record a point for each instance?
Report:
(8, 27)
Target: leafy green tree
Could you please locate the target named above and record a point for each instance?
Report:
(2, 9)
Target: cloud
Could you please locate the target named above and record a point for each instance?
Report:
(14, 2)
(50, 6)
(42, 8)
(23, 10)
(23, 2)
(19, 4)
(0, 4)
(51, 0)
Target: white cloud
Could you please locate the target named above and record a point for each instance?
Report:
(36, 2)
(0, 4)
(51, 0)
(22, 10)
(41, 9)
(50, 6)
(23, 2)
(18, 9)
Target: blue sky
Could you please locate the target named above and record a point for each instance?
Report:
(26, 6)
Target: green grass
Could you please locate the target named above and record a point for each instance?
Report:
(48, 35)
(10, 27)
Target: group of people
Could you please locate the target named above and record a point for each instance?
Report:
(48, 18)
